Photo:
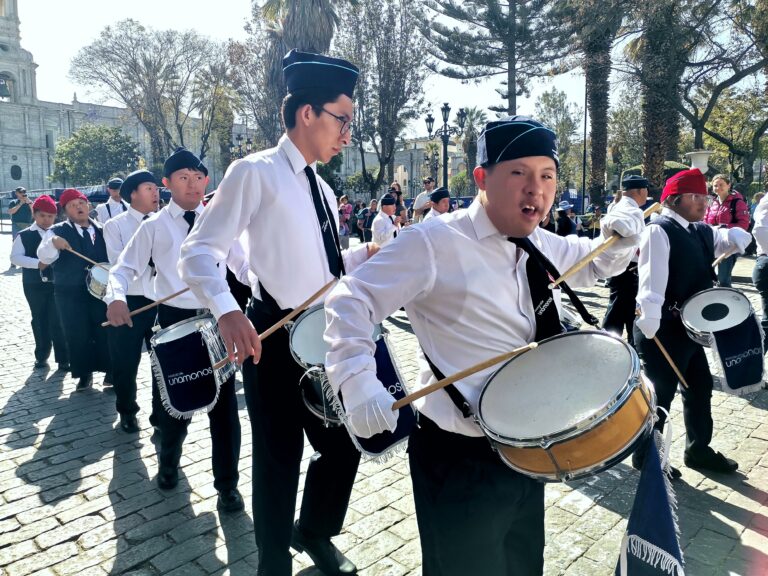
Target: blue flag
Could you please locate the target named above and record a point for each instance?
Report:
(651, 545)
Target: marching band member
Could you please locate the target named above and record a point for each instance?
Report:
(760, 271)
(480, 289)
(676, 255)
(158, 240)
(80, 312)
(440, 202)
(115, 204)
(620, 313)
(140, 191)
(37, 282)
(385, 225)
(289, 216)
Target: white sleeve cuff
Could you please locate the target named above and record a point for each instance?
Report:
(353, 257)
(222, 304)
(360, 388)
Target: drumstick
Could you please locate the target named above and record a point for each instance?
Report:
(298, 310)
(671, 362)
(655, 207)
(152, 305)
(463, 374)
(728, 254)
(84, 257)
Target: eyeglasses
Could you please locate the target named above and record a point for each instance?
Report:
(697, 197)
(346, 125)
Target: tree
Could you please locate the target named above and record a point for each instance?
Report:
(330, 173)
(553, 110)
(381, 38)
(459, 184)
(152, 72)
(473, 126)
(487, 38)
(92, 155)
(624, 128)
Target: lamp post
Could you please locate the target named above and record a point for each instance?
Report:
(445, 133)
(237, 151)
(432, 164)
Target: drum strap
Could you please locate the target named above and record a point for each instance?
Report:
(456, 397)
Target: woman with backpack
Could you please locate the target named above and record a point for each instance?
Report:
(728, 209)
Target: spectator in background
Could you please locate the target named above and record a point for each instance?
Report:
(20, 209)
(345, 214)
(365, 220)
(565, 226)
(727, 210)
(422, 204)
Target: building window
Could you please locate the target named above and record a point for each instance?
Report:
(16, 172)
(6, 88)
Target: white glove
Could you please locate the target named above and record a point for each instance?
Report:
(373, 415)
(624, 219)
(739, 238)
(648, 326)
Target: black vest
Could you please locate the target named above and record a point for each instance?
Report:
(31, 239)
(690, 263)
(71, 270)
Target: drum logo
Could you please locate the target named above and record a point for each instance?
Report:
(181, 378)
(736, 360)
(542, 307)
(395, 388)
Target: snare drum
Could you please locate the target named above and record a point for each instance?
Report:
(569, 318)
(97, 279)
(714, 310)
(572, 407)
(189, 360)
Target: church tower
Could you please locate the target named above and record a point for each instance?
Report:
(17, 70)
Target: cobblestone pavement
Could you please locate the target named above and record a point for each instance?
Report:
(77, 495)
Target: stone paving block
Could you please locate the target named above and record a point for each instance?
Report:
(376, 501)
(709, 547)
(189, 528)
(18, 551)
(86, 560)
(183, 553)
(43, 559)
(408, 555)
(380, 546)
(68, 532)
(84, 508)
(188, 570)
(232, 552)
(385, 567)
(125, 507)
(374, 523)
(28, 532)
(135, 555)
(169, 503)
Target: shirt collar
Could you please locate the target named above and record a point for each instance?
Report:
(175, 210)
(115, 203)
(631, 201)
(295, 157)
(480, 221)
(136, 214)
(675, 216)
(37, 228)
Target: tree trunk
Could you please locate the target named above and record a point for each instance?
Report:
(512, 68)
(597, 66)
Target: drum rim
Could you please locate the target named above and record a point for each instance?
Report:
(603, 412)
(163, 331)
(303, 316)
(91, 280)
(693, 329)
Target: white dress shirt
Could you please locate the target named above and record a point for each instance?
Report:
(760, 229)
(115, 208)
(159, 238)
(48, 253)
(466, 296)
(117, 233)
(653, 264)
(383, 228)
(18, 254)
(266, 197)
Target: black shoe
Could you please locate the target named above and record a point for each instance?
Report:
(637, 464)
(85, 382)
(167, 478)
(107, 380)
(63, 367)
(129, 424)
(230, 501)
(674, 473)
(714, 462)
(40, 364)
(327, 558)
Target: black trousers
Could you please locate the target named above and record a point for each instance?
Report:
(224, 421)
(81, 315)
(46, 326)
(125, 352)
(475, 514)
(278, 422)
(692, 362)
(622, 296)
(760, 280)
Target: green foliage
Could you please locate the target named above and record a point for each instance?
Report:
(330, 173)
(459, 184)
(625, 127)
(92, 155)
(473, 126)
(356, 186)
(552, 109)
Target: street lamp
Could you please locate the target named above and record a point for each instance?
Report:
(236, 150)
(445, 133)
(432, 163)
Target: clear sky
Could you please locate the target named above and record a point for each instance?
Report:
(54, 31)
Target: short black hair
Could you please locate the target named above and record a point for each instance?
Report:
(317, 98)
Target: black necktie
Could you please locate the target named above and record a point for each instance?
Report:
(189, 216)
(547, 318)
(327, 227)
(147, 216)
(87, 241)
(393, 223)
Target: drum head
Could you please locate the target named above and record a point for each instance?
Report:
(307, 336)
(99, 274)
(181, 329)
(566, 381)
(715, 309)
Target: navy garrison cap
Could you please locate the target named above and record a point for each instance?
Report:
(387, 200)
(132, 182)
(307, 70)
(183, 158)
(515, 137)
(115, 183)
(634, 181)
(439, 194)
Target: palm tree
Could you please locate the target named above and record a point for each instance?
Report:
(473, 125)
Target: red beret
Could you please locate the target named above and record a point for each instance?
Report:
(70, 194)
(44, 204)
(686, 182)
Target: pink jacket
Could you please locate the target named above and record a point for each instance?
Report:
(733, 212)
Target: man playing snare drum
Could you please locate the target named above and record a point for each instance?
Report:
(478, 290)
(676, 255)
